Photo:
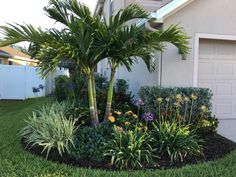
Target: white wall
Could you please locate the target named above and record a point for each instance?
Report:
(17, 82)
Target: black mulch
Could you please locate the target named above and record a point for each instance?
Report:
(215, 147)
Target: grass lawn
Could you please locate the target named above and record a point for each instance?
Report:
(14, 161)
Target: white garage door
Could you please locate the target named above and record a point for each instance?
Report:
(217, 71)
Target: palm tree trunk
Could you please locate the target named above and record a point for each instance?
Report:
(95, 97)
(94, 119)
(110, 94)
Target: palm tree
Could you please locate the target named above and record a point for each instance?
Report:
(128, 43)
(87, 40)
(78, 40)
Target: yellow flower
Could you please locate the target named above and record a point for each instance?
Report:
(118, 113)
(138, 128)
(111, 119)
(206, 123)
(127, 123)
(178, 97)
(129, 113)
(186, 99)
(193, 97)
(110, 114)
(135, 116)
(203, 108)
(159, 100)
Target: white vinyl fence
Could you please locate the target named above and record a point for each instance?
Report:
(22, 82)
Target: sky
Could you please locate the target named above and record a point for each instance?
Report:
(30, 12)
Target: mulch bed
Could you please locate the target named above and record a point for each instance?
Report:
(215, 147)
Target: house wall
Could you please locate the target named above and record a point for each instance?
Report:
(140, 75)
(201, 16)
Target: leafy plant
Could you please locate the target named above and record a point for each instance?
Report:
(64, 108)
(175, 141)
(50, 130)
(207, 126)
(61, 88)
(89, 142)
(129, 148)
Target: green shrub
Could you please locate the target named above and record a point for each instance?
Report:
(89, 142)
(129, 149)
(61, 91)
(175, 141)
(50, 130)
(188, 105)
(150, 94)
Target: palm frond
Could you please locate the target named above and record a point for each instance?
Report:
(15, 33)
(132, 12)
(174, 35)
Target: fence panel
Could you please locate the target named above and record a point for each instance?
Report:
(17, 82)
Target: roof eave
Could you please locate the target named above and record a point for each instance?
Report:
(170, 9)
(161, 14)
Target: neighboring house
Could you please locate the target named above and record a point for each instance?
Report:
(211, 24)
(11, 56)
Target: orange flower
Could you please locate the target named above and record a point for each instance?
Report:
(111, 119)
(127, 123)
(118, 113)
(135, 116)
(129, 113)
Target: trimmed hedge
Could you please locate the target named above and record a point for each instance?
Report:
(149, 95)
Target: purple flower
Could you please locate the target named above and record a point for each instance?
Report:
(138, 102)
(148, 116)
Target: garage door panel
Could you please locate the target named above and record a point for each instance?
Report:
(225, 68)
(206, 68)
(217, 71)
(223, 89)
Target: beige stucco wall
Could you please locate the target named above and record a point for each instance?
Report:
(201, 16)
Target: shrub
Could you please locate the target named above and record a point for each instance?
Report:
(187, 105)
(89, 142)
(62, 88)
(150, 95)
(175, 141)
(129, 148)
(50, 130)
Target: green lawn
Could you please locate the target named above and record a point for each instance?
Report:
(14, 161)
